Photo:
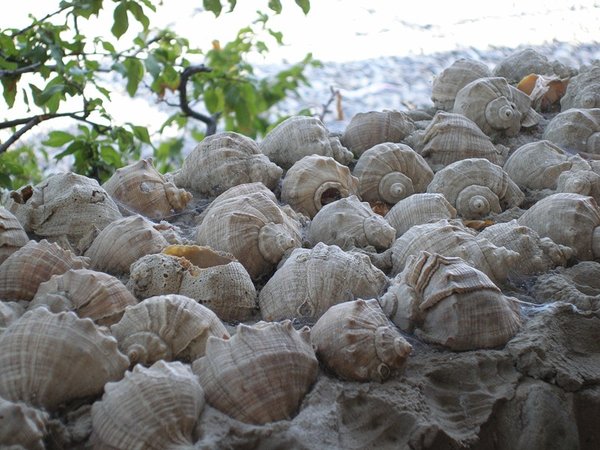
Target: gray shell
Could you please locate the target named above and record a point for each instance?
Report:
(453, 78)
(576, 130)
(583, 90)
(521, 63)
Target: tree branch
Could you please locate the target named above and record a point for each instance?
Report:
(210, 121)
(20, 70)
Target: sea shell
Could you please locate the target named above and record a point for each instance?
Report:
(23, 271)
(21, 426)
(357, 341)
(576, 130)
(523, 62)
(261, 374)
(349, 223)
(419, 209)
(140, 189)
(584, 182)
(476, 188)
(300, 136)
(310, 281)
(375, 127)
(96, 295)
(224, 160)
(315, 181)
(583, 90)
(448, 302)
(150, 408)
(49, 359)
(545, 91)
(453, 78)
(9, 312)
(166, 327)
(253, 228)
(12, 235)
(391, 172)
(452, 137)
(123, 242)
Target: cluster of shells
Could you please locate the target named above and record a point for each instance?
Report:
(255, 268)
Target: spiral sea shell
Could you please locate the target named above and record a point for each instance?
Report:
(576, 130)
(453, 78)
(21, 426)
(419, 209)
(524, 62)
(12, 235)
(583, 90)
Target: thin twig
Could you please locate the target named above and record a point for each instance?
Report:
(15, 137)
(210, 121)
(43, 19)
(19, 70)
(326, 105)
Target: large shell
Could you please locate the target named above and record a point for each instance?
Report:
(349, 223)
(12, 235)
(583, 90)
(315, 181)
(300, 136)
(576, 130)
(451, 303)
(166, 327)
(22, 272)
(419, 209)
(453, 78)
(96, 295)
(261, 374)
(224, 160)
(357, 341)
(253, 228)
(476, 188)
(48, 359)
(312, 280)
(375, 127)
(140, 189)
(150, 408)
(524, 62)
(21, 426)
(390, 172)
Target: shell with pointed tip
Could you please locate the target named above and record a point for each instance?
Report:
(300, 136)
(166, 327)
(448, 302)
(390, 172)
(314, 181)
(48, 359)
(96, 295)
(375, 127)
(476, 188)
(224, 160)
(583, 90)
(150, 408)
(12, 235)
(261, 374)
(453, 78)
(21, 426)
(357, 341)
(22, 272)
(576, 130)
(123, 242)
(349, 223)
(523, 62)
(419, 209)
(141, 189)
(312, 280)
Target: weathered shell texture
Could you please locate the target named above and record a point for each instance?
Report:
(300, 136)
(123, 242)
(449, 302)
(419, 209)
(315, 181)
(312, 280)
(453, 78)
(22, 272)
(9, 312)
(576, 130)
(166, 327)
(476, 188)
(12, 235)
(150, 408)
(349, 223)
(568, 219)
(141, 189)
(584, 182)
(224, 160)
(21, 426)
(253, 228)
(375, 127)
(390, 172)
(64, 206)
(451, 137)
(583, 90)
(261, 374)
(96, 295)
(357, 341)
(49, 359)
(524, 62)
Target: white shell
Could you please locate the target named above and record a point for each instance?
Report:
(583, 90)
(12, 235)
(419, 209)
(576, 130)
(453, 78)
(21, 426)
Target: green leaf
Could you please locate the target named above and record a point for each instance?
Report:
(9, 89)
(213, 100)
(275, 5)
(304, 4)
(58, 138)
(139, 15)
(232, 4)
(111, 156)
(213, 6)
(135, 73)
(141, 133)
(278, 35)
(74, 147)
(108, 47)
(121, 22)
(152, 65)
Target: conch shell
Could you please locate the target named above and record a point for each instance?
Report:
(419, 209)
(523, 62)
(21, 426)
(453, 78)
(12, 235)
(545, 91)
(584, 182)
(576, 130)
(583, 90)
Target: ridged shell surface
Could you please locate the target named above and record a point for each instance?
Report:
(21, 426)
(419, 209)
(9, 312)
(12, 234)
(576, 130)
(523, 62)
(583, 90)
(453, 78)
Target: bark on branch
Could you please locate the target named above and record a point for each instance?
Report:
(210, 121)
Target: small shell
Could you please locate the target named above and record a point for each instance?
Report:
(49, 359)
(150, 408)
(300, 136)
(375, 127)
(261, 374)
(583, 90)
(315, 181)
(96, 295)
(224, 160)
(21, 426)
(391, 172)
(356, 340)
(419, 209)
(576, 130)
(312, 280)
(584, 182)
(12, 235)
(476, 188)
(453, 78)
(523, 62)
(140, 189)
(166, 327)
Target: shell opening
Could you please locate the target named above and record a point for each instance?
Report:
(395, 186)
(273, 241)
(329, 192)
(384, 371)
